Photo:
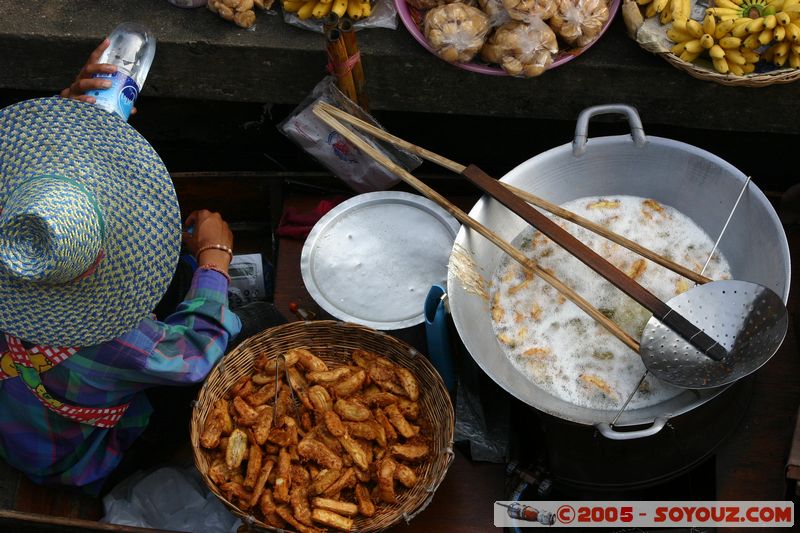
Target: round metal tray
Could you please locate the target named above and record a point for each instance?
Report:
(373, 258)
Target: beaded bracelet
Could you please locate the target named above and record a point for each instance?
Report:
(215, 268)
(215, 247)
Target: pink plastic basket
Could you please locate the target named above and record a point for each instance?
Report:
(412, 19)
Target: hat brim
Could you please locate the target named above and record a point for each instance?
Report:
(58, 136)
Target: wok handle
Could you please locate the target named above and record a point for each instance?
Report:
(610, 433)
(582, 127)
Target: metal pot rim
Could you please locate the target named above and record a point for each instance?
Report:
(656, 415)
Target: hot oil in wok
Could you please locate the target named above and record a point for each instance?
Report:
(558, 346)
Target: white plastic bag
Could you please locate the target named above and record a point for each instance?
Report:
(358, 170)
(168, 498)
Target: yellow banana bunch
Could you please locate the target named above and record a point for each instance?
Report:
(750, 9)
(651, 8)
(791, 7)
(735, 34)
(318, 9)
(681, 10)
(784, 54)
(735, 60)
(666, 13)
(692, 39)
(760, 24)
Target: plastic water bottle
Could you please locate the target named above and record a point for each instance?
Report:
(132, 50)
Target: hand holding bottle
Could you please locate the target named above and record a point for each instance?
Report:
(85, 82)
(131, 49)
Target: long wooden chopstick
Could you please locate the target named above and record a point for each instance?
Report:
(465, 219)
(528, 197)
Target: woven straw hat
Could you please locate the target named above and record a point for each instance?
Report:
(89, 224)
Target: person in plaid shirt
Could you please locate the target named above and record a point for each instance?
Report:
(72, 390)
(180, 350)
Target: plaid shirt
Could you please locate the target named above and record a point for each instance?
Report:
(52, 449)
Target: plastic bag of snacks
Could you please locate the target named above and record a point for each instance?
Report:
(498, 15)
(309, 14)
(579, 22)
(456, 31)
(522, 49)
(529, 10)
(240, 12)
(356, 169)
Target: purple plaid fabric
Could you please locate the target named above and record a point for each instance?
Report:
(51, 449)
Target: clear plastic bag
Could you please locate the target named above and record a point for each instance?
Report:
(522, 49)
(482, 414)
(358, 170)
(170, 498)
(496, 11)
(240, 12)
(579, 22)
(384, 15)
(529, 10)
(456, 31)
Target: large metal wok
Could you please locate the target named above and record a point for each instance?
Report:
(696, 182)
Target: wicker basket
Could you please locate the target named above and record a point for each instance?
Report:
(333, 342)
(634, 20)
(749, 80)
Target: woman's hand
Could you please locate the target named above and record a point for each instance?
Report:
(208, 229)
(84, 82)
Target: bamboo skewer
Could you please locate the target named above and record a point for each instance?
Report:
(528, 197)
(461, 216)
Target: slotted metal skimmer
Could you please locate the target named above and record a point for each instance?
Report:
(752, 366)
(749, 320)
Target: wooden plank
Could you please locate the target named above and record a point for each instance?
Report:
(289, 286)
(237, 196)
(751, 465)
(793, 464)
(464, 501)
(9, 481)
(66, 502)
(20, 522)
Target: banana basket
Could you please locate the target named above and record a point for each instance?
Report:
(334, 342)
(745, 43)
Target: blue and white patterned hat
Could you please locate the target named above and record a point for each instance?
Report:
(89, 224)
